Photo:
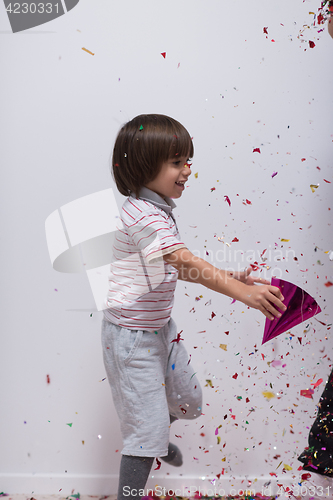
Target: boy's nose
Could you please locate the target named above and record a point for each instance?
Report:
(188, 168)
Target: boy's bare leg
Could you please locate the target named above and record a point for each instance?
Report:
(134, 472)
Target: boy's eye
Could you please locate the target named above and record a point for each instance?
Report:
(187, 163)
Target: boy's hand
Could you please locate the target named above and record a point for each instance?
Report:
(266, 298)
(244, 277)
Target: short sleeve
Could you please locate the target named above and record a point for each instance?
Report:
(155, 235)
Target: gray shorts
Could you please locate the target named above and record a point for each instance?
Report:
(151, 378)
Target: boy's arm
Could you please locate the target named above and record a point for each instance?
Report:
(196, 270)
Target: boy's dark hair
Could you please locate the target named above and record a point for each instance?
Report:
(142, 146)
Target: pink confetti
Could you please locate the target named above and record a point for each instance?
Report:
(307, 393)
(274, 174)
(319, 381)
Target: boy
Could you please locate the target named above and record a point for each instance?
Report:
(147, 366)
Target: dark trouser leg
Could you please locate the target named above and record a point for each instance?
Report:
(134, 472)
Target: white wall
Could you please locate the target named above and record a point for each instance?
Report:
(235, 90)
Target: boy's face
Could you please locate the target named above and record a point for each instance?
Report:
(172, 172)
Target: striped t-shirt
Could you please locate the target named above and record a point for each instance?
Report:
(141, 284)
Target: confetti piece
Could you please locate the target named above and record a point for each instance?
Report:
(48, 379)
(312, 44)
(303, 159)
(69, 425)
(223, 346)
(265, 30)
(227, 199)
(284, 239)
(158, 464)
(141, 127)
(328, 283)
(173, 366)
(274, 174)
(287, 467)
(307, 393)
(88, 51)
(268, 394)
(327, 181)
(163, 54)
(305, 476)
(256, 150)
(319, 381)
(254, 267)
(314, 187)
(235, 240)
(235, 376)
(177, 339)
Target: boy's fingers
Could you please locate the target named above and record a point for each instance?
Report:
(276, 291)
(277, 297)
(274, 301)
(266, 313)
(261, 281)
